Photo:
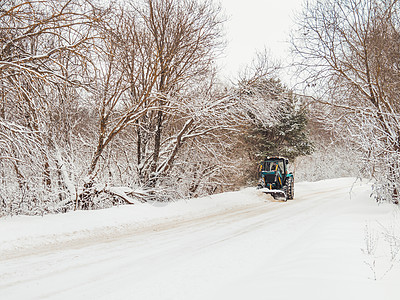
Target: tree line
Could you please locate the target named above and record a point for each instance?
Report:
(103, 103)
(348, 55)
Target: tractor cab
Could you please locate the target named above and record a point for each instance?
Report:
(274, 164)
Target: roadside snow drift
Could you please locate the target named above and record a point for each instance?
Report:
(331, 242)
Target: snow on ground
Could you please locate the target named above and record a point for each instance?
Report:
(27, 233)
(331, 242)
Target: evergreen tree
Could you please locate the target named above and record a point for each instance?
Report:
(279, 128)
(282, 129)
(288, 137)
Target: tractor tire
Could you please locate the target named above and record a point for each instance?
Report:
(290, 188)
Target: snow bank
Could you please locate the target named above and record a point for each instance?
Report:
(19, 233)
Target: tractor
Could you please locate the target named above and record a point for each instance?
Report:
(275, 179)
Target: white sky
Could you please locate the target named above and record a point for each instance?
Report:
(254, 25)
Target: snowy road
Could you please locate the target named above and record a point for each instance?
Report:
(309, 248)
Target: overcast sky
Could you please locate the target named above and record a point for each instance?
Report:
(254, 25)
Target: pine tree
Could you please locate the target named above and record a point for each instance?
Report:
(287, 136)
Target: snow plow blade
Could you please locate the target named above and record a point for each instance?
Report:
(274, 193)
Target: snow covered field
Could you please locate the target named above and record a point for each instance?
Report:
(331, 242)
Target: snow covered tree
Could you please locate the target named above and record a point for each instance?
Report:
(155, 89)
(277, 125)
(287, 137)
(178, 42)
(42, 46)
(348, 52)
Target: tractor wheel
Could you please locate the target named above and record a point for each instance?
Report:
(290, 188)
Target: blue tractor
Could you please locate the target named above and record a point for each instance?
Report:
(275, 179)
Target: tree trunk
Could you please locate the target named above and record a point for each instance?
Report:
(96, 157)
(157, 146)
